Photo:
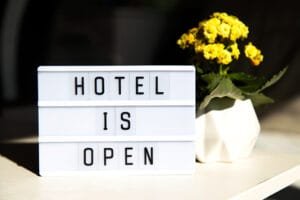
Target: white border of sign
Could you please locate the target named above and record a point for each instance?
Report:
(116, 68)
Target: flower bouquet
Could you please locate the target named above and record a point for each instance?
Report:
(227, 126)
(215, 44)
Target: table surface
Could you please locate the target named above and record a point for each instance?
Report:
(256, 177)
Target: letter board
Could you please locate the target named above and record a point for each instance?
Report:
(130, 119)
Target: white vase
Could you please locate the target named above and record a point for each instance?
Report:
(228, 134)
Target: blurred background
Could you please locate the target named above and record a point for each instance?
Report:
(139, 32)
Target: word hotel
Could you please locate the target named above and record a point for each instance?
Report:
(140, 85)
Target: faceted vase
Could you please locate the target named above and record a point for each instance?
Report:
(226, 134)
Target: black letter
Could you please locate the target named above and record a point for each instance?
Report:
(148, 156)
(125, 120)
(137, 85)
(128, 156)
(96, 85)
(106, 156)
(85, 157)
(119, 83)
(105, 121)
(156, 86)
(77, 85)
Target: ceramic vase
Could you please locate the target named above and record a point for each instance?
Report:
(228, 134)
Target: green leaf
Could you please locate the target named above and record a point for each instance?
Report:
(212, 80)
(241, 76)
(210, 77)
(273, 80)
(199, 70)
(246, 82)
(225, 88)
(259, 99)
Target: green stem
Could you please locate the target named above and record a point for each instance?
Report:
(223, 72)
(226, 70)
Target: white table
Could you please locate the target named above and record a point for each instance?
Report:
(257, 177)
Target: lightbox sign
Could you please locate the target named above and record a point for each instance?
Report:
(132, 119)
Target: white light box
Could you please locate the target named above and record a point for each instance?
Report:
(100, 118)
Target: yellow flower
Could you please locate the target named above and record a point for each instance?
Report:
(181, 42)
(235, 52)
(224, 57)
(214, 22)
(257, 60)
(190, 38)
(244, 30)
(194, 31)
(250, 50)
(199, 46)
(224, 30)
(253, 54)
(235, 33)
(186, 40)
(237, 29)
(210, 29)
(220, 15)
(212, 51)
(217, 40)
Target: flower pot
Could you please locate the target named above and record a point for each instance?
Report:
(228, 134)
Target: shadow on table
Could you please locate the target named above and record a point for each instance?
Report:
(286, 194)
(25, 155)
(16, 123)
